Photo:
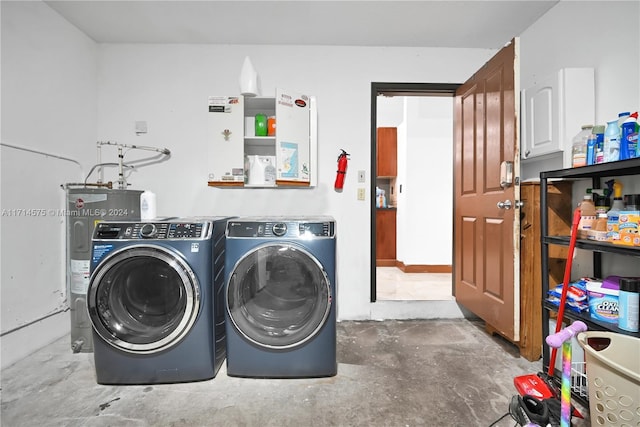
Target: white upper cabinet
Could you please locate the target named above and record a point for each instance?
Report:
(554, 110)
(238, 157)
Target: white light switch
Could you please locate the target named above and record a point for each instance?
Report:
(141, 127)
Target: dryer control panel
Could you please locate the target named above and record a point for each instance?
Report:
(277, 229)
(150, 230)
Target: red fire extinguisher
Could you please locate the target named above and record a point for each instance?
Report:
(342, 169)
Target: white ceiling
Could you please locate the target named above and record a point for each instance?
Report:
(466, 24)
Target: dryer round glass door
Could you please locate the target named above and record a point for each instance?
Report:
(278, 296)
(143, 298)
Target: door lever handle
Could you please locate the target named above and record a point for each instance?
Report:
(504, 205)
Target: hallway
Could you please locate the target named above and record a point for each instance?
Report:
(392, 284)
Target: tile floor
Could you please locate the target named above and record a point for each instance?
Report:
(392, 284)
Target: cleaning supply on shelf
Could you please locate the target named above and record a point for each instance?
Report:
(601, 200)
(261, 125)
(622, 117)
(599, 231)
(632, 202)
(271, 126)
(260, 170)
(579, 147)
(592, 140)
(612, 142)
(628, 228)
(576, 299)
(587, 216)
(603, 299)
(598, 131)
(613, 215)
(629, 137)
(629, 304)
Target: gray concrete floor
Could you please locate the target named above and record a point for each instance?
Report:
(390, 373)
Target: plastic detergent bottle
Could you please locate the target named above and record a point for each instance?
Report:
(598, 131)
(587, 216)
(612, 142)
(614, 213)
(579, 142)
(629, 137)
(591, 149)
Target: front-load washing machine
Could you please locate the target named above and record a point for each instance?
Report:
(155, 300)
(281, 297)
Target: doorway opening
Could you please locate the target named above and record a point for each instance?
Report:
(424, 130)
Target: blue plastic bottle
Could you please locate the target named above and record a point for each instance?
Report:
(599, 151)
(591, 149)
(629, 137)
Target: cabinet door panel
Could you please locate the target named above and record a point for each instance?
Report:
(553, 111)
(385, 236)
(292, 136)
(225, 145)
(387, 157)
(540, 111)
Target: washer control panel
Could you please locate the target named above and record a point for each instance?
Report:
(149, 230)
(281, 229)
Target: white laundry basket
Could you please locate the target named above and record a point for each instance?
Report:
(613, 374)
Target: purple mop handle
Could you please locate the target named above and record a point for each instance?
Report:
(565, 334)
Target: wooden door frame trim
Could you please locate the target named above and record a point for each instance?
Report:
(393, 89)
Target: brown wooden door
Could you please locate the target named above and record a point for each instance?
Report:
(486, 238)
(387, 150)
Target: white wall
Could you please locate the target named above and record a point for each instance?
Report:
(390, 111)
(48, 104)
(429, 183)
(168, 86)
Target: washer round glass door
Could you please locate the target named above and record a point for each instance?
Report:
(278, 296)
(143, 298)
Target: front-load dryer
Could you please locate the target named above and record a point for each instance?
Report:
(281, 297)
(155, 300)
